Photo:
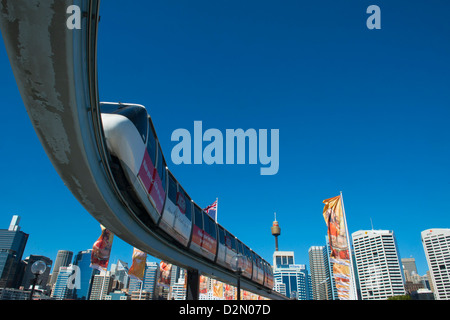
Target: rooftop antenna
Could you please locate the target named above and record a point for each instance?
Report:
(371, 223)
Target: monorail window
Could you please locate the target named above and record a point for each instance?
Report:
(138, 116)
(221, 235)
(233, 242)
(240, 247)
(162, 168)
(247, 253)
(172, 189)
(151, 144)
(198, 217)
(230, 241)
(188, 203)
(210, 226)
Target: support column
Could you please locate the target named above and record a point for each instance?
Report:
(193, 284)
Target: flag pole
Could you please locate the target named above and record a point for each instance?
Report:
(353, 283)
(217, 208)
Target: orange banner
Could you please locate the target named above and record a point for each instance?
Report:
(137, 269)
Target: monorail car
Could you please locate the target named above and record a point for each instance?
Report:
(133, 144)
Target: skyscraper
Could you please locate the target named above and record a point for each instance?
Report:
(86, 274)
(409, 267)
(292, 278)
(63, 259)
(320, 273)
(61, 290)
(378, 263)
(436, 244)
(12, 245)
(148, 283)
(101, 286)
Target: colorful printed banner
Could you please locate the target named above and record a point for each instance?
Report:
(217, 287)
(101, 250)
(337, 235)
(137, 269)
(164, 274)
(152, 182)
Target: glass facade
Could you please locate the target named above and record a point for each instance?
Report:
(86, 273)
(293, 279)
(12, 245)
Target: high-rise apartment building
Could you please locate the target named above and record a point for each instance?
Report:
(436, 244)
(12, 245)
(378, 264)
(320, 273)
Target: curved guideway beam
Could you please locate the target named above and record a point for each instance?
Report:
(56, 72)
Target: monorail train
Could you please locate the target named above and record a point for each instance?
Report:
(161, 202)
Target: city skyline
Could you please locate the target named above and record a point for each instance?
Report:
(124, 247)
(359, 111)
(377, 263)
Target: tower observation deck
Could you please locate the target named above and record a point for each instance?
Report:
(276, 231)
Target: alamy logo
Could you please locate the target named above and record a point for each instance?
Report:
(235, 144)
(74, 20)
(73, 281)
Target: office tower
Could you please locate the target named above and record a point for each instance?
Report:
(148, 283)
(12, 245)
(409, 268)
(413, 281)
(28, 276)
(63, 259)
(61, 289)
(86, 274)
(320, 273)
(436, 244)
(150, 277)
(178, 287)
(378, 263)
(120, 271)
(283, 258)
(101, 285)
(295, 277)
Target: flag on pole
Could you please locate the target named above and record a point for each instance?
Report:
(101, 250)
(211, 210)
(337, 236)
(137, 269)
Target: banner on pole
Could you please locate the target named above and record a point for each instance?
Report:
(101, 250)
(337, 236)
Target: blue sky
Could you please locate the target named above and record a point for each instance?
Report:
(360, 111)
